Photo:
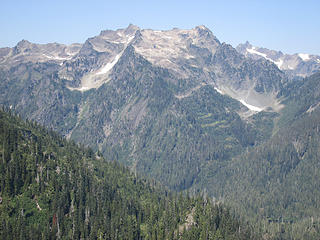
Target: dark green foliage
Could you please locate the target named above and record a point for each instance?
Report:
(51, 188)
(278, 182)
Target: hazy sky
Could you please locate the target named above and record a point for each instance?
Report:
(292, 26)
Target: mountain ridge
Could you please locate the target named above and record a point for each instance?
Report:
(90, 64)
(295, 65)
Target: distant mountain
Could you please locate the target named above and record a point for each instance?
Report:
(295, 65)
(26, 51)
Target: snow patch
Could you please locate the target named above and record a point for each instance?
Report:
(251, 107)
(312, 108)
(304, 56)
(120, 34)
(70, 53)
(105, 69)
(109, 65)
(290, 67)
(57, 58)
(100, 76)
(82, 89)
(278, 63)
(253, 51)
(130, 38)
(187, 56)
(318, 60)
(218, 90)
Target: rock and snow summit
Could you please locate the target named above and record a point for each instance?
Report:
(295, 65)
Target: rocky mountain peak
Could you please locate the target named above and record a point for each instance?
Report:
(243, 46)
(23, 46)
(203, 31)
(295, 65)
(113, 35)
(202, 28)
(193, 56)
(98, 56)
(174, 48)
(131, 29)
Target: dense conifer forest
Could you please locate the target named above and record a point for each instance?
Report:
(51, 188)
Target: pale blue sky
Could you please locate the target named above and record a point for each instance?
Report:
(292, 26)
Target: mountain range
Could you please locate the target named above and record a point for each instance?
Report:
(294, 65)
(185, 109)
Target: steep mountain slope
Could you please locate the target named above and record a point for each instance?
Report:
(52, 189)
(295, 65)
(280, 178)
(147, 98)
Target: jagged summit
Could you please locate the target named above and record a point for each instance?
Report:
(130, 30)
(23, 43)
(170, 49)
(295, 65)
(203, 27)
(24, 46)
(203, 30)
(194, 56)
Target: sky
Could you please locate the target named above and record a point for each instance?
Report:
(292, 26)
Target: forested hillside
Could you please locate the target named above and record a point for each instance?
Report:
(51, 188)
(279, 180)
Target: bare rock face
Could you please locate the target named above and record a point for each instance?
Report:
(25, 51)
(297, 65)
(175, 48)
(91, 67)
